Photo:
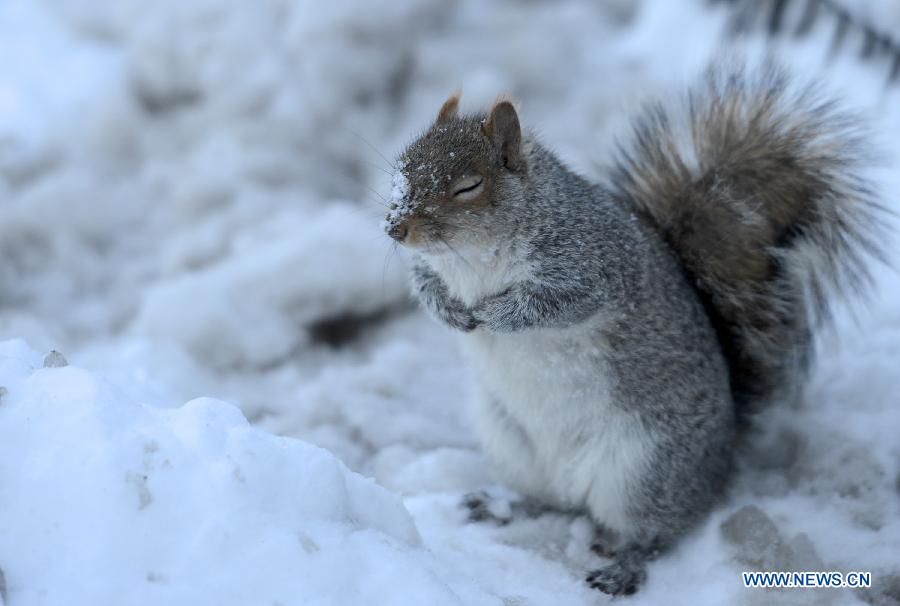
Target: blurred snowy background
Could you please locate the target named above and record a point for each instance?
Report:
(189, 206)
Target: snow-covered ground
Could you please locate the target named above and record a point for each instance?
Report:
(189, 210)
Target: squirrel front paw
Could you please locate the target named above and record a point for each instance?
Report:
(460, 319)
(494, 312)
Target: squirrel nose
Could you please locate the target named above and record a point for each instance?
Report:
(399, 232)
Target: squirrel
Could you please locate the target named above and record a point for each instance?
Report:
(622, 332)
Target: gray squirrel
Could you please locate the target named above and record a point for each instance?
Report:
(622, 332)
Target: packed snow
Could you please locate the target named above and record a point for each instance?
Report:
(214, 385)
(399, 204)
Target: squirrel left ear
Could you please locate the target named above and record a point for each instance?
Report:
(448, 109)
(502, 127)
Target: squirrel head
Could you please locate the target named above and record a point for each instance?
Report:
(452, 180)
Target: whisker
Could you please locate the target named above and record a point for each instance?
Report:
(387, 263)
(455, 252)
(375, 191)
(372, 147)
(368, 210)
(375, 166)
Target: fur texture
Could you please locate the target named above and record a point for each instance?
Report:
(615, 331)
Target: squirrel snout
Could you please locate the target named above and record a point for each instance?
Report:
(399, 232)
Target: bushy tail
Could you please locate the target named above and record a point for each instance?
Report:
(758, 189)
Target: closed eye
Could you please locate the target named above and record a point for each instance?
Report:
(468, 187)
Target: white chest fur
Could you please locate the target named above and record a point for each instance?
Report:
(546, 414)
(553, 387)
(472, 274)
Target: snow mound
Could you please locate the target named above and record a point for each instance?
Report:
(287, 276)
(120, 502)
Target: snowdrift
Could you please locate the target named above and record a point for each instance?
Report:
(108, 501)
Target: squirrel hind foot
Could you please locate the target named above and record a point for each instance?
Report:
(627, 572)
(484, 507)
(481, 507)
(618, 578)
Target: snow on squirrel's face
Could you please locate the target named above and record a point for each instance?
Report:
(447, 182)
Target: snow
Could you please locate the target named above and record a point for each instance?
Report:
(213, 306)
(399, 203)
(189, 505)
(25, 99)
(190, 207)
(248, 517)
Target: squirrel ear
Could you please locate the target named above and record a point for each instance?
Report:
(502, 127)
(448, 109)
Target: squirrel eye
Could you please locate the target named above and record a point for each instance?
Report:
(468, 187)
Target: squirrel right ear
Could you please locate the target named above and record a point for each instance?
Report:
(448, 109)
(502, 127)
